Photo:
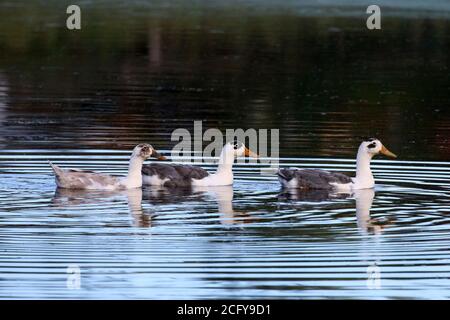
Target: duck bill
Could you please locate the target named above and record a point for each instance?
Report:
(158, 156)
(249, 153)
(387, 153)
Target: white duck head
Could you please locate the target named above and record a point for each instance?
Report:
(144, 151)
(238, 149)
(373, 146)
(368, 148)
(231, 151)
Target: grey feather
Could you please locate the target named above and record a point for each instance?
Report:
(314, 179)
(178, 175)
(78, 179)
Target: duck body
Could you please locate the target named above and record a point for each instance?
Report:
(312, 179)
(172, 175)
(179, 175)
(316, 179)
(89, 180)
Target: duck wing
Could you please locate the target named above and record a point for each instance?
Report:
(313, 179)
(78, 179)
(177, 175)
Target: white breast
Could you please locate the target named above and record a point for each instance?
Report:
(214, 180)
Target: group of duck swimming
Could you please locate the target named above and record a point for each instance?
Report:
(181, 175)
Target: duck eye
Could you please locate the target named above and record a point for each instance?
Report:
(372, 145)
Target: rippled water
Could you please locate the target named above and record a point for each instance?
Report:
(138, 70)
(249, 240)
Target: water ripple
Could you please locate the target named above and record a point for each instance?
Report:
(251, 240)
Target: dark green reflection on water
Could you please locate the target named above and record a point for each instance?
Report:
(136, 72)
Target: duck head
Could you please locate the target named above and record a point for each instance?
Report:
(240, 150)
(373, 146)
(144, 151)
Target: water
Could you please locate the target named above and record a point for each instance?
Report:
(137, 72)
(245, 241)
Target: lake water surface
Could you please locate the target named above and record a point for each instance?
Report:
(138, 70)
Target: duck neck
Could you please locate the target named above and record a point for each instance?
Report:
(134, 177)
(364, 178)
(225, 162)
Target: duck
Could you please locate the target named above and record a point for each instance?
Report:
(181, 175)
(89, 180)
(317, 179)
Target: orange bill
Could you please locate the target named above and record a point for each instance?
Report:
(249, 153)
(158, 156)
(387, 153)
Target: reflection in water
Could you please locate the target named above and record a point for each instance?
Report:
(3, 97)
(311, 195)
(69, 197)
(321, 81)
(140, 218)
(192, 248)
(222, 195)
(363, 200)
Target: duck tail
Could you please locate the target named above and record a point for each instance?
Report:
(55, 168)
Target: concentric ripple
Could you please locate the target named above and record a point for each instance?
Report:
(251, 240)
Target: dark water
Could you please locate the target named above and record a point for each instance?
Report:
(138, 70)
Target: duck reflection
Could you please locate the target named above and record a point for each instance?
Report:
(367, 224)
(140, 218)
(71, 197)
(363, 201)
(67, 197)
(223, 195)
(311, 195)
